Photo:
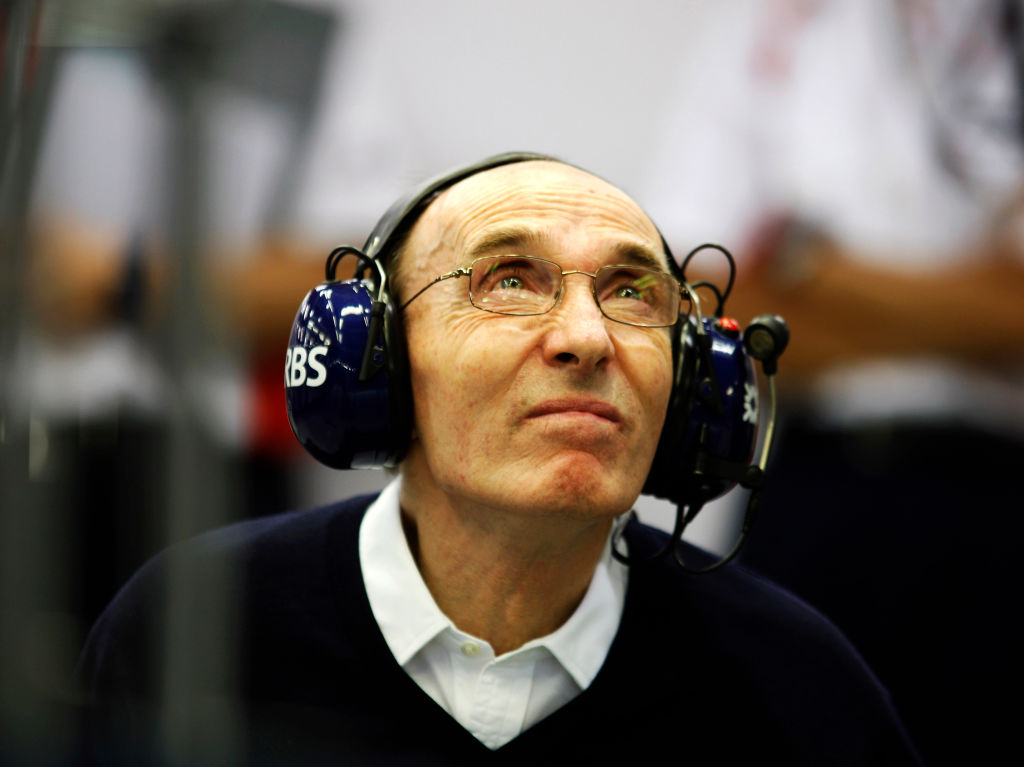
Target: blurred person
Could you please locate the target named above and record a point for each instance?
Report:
(865, 159)
(474, 611)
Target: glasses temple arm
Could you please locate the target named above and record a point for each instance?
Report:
(691, 292)
(460, 272)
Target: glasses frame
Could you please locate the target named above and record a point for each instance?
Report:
(467, 271)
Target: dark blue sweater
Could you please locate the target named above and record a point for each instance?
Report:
(725, 667)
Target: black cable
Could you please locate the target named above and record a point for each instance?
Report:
(720, 305)
(370, 363)
(748, 522)
(724, 295)
(335, 257)
(685, 514)
(674, 536)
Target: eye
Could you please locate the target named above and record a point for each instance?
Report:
(629, 292)
(637, 296)
(514, 284)
(513, 274)
(622, 284)
(511, 282)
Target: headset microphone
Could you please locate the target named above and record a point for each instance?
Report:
(766, 338)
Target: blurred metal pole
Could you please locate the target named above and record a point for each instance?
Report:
(194, 728)
(272, 51)
(36, 723)
(37, 714)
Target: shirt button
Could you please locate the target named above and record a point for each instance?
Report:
(470, 649)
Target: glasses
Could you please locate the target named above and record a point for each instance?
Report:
(526, 285)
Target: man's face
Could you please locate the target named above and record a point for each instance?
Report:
(555, 413)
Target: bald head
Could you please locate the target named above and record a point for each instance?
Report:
(523, 207)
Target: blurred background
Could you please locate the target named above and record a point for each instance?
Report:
(174, 173)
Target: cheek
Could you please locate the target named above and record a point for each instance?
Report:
(459, 377)
(648, 363)
(661, 380)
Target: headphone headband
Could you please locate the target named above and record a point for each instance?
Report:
(404, 212)
(399, 218)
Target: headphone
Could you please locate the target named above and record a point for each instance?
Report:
(347, 378)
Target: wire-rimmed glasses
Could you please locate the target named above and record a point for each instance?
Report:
(528, 285)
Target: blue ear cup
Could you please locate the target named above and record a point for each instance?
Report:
(711, 424)
(345, 422)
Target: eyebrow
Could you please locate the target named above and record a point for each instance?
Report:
(633, 253)
(503, 238)
(640, 255)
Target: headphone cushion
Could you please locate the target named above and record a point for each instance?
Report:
(731, 431)
(343, 422)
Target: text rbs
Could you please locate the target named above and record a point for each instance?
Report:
(304, 367)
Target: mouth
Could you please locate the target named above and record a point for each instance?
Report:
(572, 406)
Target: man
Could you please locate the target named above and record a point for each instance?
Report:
(473, 611)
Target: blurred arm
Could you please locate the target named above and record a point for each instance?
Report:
(78, 273)
(841, 310)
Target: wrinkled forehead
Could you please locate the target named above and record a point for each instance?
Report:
(538, 204)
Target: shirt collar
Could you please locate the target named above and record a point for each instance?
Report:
(401, 602)
(582, 642)
(409, 618)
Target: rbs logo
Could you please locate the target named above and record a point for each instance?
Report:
(296, 361)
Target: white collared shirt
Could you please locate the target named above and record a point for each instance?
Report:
(495, 698)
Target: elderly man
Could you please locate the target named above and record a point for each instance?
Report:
(473, 612)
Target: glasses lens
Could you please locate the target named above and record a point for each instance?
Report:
(638, 296)
(514, 284)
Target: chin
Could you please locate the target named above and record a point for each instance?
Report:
(585, 487)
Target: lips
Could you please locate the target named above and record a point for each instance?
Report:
(572, 405)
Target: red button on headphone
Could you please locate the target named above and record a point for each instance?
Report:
(728, 326)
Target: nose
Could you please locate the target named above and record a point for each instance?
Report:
(578, 335)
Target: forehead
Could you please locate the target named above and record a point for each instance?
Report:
(552, 209)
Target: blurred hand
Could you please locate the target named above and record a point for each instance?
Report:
(842, 309)
(73, 277)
